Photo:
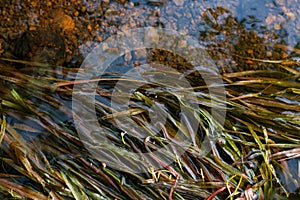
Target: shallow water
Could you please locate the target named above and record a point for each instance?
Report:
(227, 31)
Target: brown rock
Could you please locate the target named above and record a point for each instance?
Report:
(42, 46)
(63, 21)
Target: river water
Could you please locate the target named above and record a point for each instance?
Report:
(235, 35)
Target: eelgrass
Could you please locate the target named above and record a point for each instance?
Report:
(43, 157)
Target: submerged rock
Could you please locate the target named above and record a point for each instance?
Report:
(42, 46)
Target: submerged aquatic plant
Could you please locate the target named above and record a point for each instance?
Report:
(43, 157)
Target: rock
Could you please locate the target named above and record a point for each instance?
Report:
(140, 54)
(277, 26)
(179, 2)
(42, 46)
(152, 36)
(291, 15)
(63, 21)
(128, 57)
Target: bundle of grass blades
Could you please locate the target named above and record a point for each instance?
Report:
(43, 157)
(263, 123)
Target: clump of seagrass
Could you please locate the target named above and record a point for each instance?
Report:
(43, 157)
